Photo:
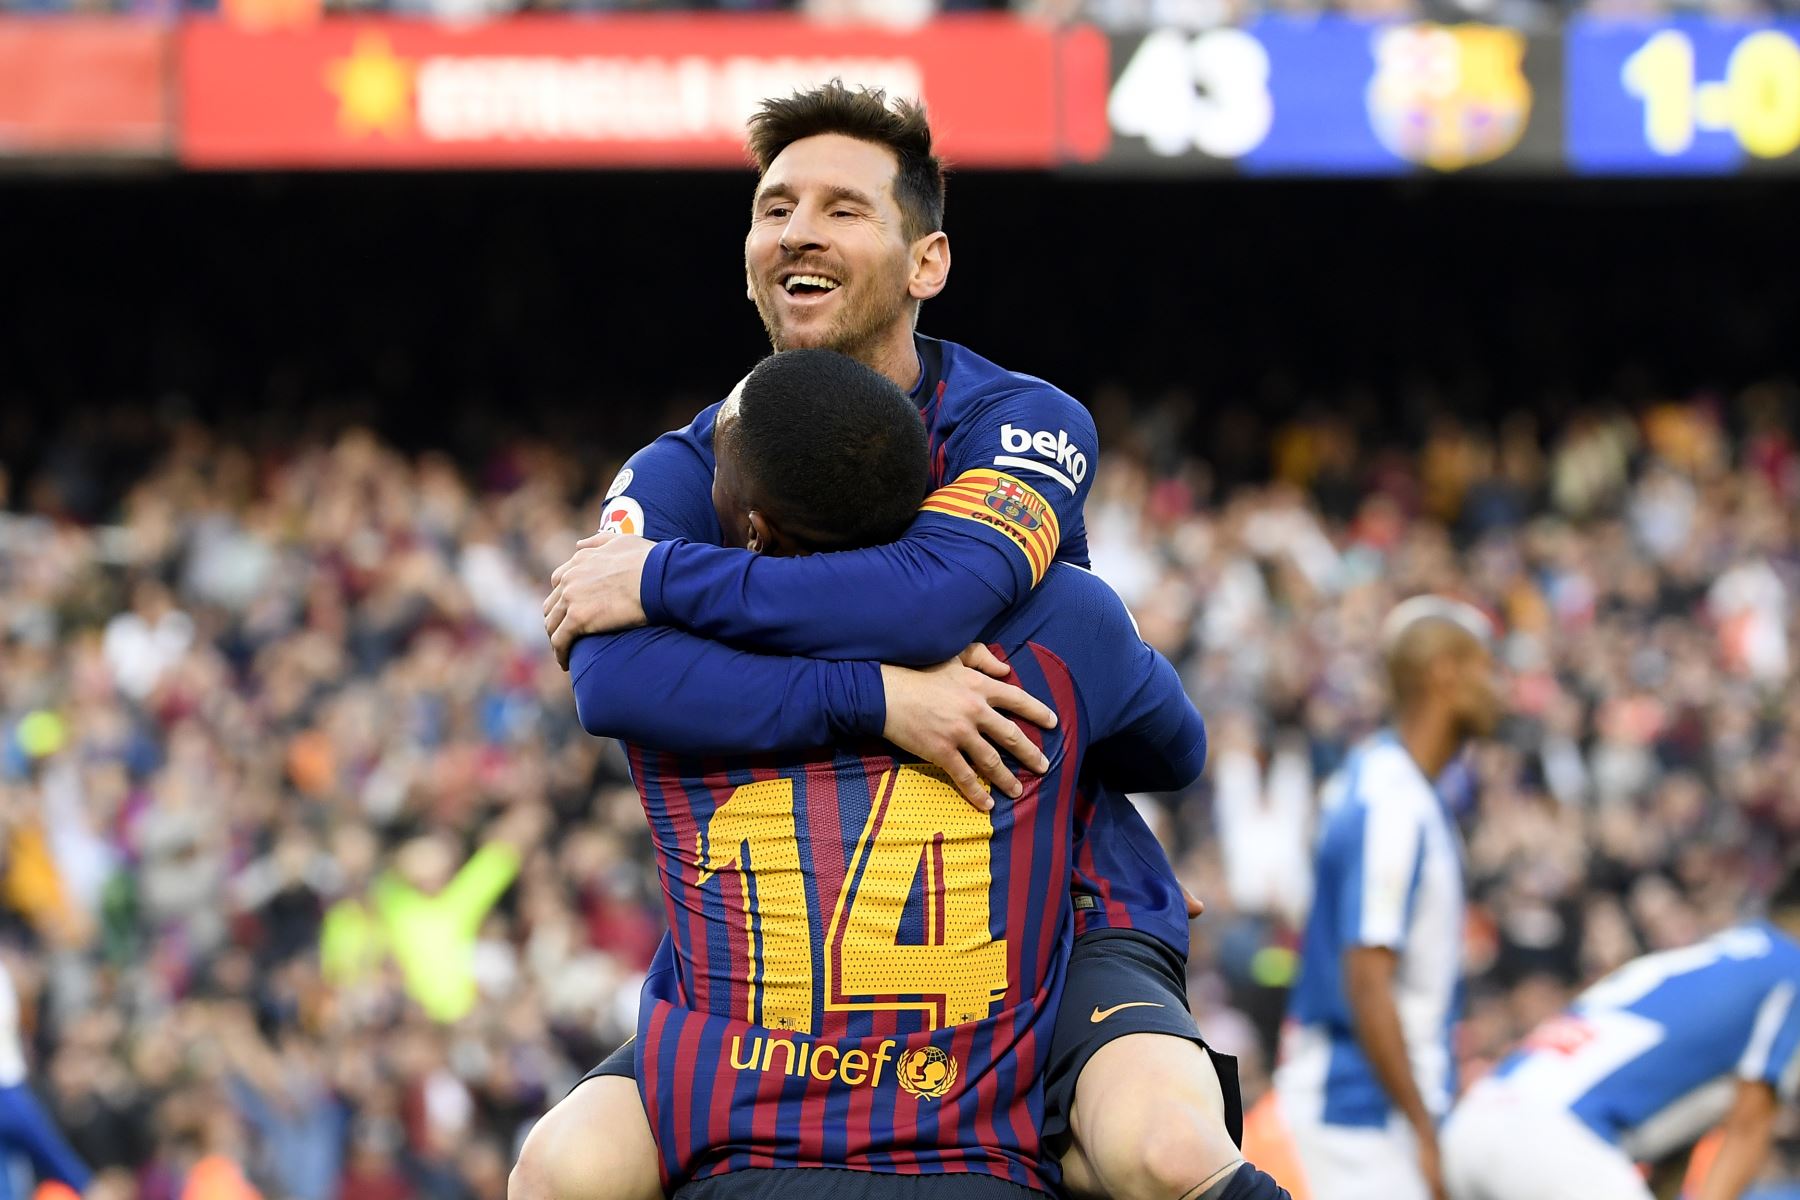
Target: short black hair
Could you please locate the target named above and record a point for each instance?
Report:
(864, 114)
(831, 448)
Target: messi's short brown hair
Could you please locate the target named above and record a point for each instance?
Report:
(864, 114)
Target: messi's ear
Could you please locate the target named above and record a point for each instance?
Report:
(930, 266)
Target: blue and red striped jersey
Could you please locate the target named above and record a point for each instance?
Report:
(863, 970)
(1012, 460)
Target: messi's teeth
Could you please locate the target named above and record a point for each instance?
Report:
(818, 281)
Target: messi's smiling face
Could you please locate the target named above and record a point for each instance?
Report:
(827, 259)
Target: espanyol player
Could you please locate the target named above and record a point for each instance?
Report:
(1366, 1072)
(1643, 1064)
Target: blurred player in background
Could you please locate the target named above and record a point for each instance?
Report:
(25, 1129)
(916, 944)
(1642, 1065)
(1366, 1057)
(845, 243)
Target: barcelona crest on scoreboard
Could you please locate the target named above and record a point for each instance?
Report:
(1449, 96)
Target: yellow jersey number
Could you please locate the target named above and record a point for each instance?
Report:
(917, 823)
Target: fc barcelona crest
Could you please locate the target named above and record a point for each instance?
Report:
(1017, 504)
(1449, 96)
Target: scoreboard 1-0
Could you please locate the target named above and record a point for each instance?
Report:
(1687, 96)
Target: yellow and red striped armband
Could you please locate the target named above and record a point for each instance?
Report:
(1008, 505)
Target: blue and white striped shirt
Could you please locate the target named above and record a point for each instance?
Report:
(1388, 873)
(1648, 1058)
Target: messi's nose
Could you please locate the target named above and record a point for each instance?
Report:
(805, 230)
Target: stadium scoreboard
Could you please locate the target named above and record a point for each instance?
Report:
(1333, 96)
(1281, 95)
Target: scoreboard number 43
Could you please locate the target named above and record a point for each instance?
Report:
(1207, 92)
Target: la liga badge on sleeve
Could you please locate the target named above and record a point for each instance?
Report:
(622, 514)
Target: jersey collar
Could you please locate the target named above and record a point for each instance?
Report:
(931, 369)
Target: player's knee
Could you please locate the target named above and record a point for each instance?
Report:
(1150, 1116)
(567, 1157)
(544, 1171)
(525, 1181)
(1158, 1150)
(1174, 1156)
(530, 1178)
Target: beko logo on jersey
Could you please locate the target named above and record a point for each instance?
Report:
(1053, 446)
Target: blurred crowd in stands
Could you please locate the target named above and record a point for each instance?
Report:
(314, 889)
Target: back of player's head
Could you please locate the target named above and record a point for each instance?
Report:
(830, 449)
(864, 114)
(1423, 630)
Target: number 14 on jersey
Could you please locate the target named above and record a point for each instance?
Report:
(921, 838)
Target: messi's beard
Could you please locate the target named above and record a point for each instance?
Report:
(866, 318)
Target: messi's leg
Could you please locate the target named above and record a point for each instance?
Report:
(1148, 1122)
(1136, 1103)
(594, 1145)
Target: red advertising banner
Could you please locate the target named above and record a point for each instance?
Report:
(83, 86)
(617, 91)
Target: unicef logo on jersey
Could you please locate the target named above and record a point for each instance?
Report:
(924, 1071)
(927, 1072)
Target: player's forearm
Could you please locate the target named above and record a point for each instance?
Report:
(1168, 763)
(1165, 746)
(1740, 1158)
(908, 603)
(1369, 982)
(669, 690)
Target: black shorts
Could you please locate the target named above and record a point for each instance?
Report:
(621, 1062)
(1121, 982)
(825, 1183)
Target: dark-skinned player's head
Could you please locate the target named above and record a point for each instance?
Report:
(817, 452)
(1440, 660)
(846, 228)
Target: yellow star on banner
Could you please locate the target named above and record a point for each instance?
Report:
(374, 88)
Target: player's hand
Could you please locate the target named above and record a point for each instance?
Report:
(1431, 1166)
(595, 591)
(953, 716)
(979, 658)
(1195, 905)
